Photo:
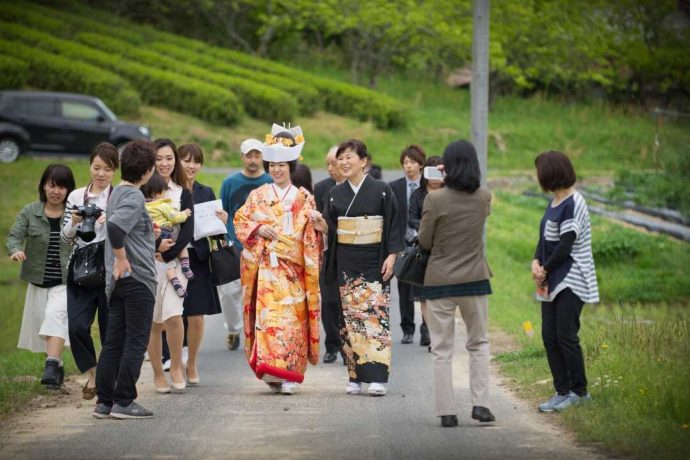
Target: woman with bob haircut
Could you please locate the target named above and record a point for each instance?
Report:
(564, 274)
(364, 238)
(457, 276)
(130, 285)
(34, 240)
(84, 301)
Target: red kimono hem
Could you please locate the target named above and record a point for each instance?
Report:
(289, 376)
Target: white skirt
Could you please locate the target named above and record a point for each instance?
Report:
(168, 303)
(45, 315)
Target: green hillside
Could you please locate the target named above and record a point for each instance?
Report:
(170, 71)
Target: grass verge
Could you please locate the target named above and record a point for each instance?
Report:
(635, 343)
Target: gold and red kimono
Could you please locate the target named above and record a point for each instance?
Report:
(280, 284)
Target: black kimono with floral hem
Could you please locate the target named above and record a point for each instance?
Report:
(365, 297)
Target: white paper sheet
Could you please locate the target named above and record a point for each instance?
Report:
(206, 223)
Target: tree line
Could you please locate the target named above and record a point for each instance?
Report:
(627, 50)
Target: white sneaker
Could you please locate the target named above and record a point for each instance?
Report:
(185, 355)
(353, 388)
(146, 356)
(288, 388)
(377, 389)
(166, 366)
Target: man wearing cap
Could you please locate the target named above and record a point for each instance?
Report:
(331, 312)
(233, 194)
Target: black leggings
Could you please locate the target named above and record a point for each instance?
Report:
(560, 323)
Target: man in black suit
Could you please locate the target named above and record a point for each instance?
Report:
(412, 160)
(331, 312)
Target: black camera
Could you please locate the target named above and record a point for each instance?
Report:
(90, 213)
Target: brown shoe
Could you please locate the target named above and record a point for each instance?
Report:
(88, 393)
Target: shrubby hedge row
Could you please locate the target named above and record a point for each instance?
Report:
(61, 23)
(14, 72)
(59, 73)
(177, 92)
(260, 101)
(308, 97)
(25, 14)
(338, 97)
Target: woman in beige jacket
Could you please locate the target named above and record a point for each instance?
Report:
(457, 276)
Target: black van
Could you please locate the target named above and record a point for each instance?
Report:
(42, 122)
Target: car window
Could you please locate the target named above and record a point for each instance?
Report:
(79, 111)
(44, 107)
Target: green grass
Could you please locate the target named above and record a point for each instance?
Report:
(636, 342)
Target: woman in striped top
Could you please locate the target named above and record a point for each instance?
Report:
(34, 240)
(563, 270)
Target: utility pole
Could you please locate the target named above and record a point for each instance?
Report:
(479, 88)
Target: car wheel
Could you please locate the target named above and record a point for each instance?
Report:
(9, 149)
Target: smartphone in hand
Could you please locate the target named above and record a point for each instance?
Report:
(432, 173)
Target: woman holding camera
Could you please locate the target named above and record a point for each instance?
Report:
(34, 240)
(84, 229)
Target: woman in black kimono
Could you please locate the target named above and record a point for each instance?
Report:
(363, 241)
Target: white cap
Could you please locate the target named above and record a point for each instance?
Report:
(248, 145)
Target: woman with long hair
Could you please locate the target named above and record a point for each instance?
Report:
(168, 309)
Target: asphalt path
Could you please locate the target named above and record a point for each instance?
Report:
(231, 414)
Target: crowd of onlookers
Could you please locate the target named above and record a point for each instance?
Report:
(312, 256)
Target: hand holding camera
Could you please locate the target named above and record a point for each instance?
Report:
(87, 215)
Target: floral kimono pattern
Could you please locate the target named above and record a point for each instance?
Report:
(280, 284)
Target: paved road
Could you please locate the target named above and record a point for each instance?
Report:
(232, 415)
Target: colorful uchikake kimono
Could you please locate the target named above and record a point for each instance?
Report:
(280, 283)
(364, 229)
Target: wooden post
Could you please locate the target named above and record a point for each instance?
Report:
(479, 89)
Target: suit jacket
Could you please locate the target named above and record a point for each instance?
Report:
(452, 227)
(399, 187)
(201, 194)
(321, 190)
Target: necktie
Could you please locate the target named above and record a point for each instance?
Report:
(410, 233)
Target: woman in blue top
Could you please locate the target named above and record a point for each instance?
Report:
(563, 270)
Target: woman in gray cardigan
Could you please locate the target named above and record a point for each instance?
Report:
(457, 276)
(34, 240)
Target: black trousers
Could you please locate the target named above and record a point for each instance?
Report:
(82, 305)
(331, 316)
(129, 327)
(406, 308)
(560, 322)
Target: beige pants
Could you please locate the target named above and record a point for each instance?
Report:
(441, 321)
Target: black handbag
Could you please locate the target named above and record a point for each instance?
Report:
(88, 266)
(410, 266)
(225, 262)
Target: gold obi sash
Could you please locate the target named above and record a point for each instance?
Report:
(360, 230)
